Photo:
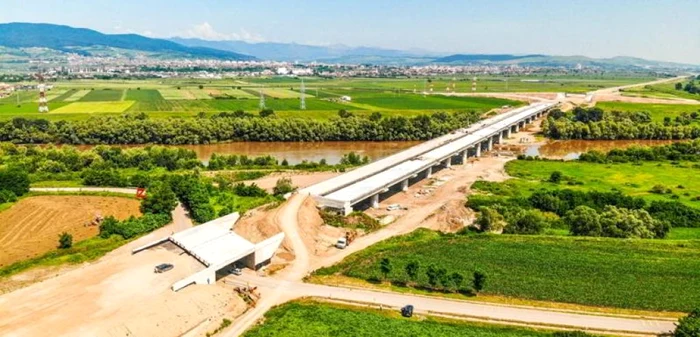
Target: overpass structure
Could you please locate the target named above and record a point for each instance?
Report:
(367, 183)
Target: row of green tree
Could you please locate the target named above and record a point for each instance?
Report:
(686, 151)
(689, 87)
(592, 213)
(51, 160)
(594, 123)
(432, 278)
(139, 129)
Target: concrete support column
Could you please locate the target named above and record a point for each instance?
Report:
(465, 156)
(404, 185)
(490, 147)
(478, 150)
(517, 127)
(507, 133)
(448, 162)
(375, 201)
(429, 172)
(500, 137)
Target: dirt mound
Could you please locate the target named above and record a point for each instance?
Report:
(319, 238)
(32, 226)
(450, 217)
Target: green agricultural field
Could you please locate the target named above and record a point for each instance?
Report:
(26, 110)
(662, 90)
(631, 179)
(485, 83)
(636, 274)
(103, 95)
(78, 95)
(411, 101)
(657, 111)
(64, 95)
(94, 107)
(145, 95)
(311, 318)
(282, 93)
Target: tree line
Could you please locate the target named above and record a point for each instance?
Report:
(685, 151)
(689, 87)
(591, 213)
(594, 123)
(139, 129)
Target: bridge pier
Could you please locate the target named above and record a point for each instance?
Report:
(507, 132)
(448, 162)
(516, 127)
(375, 201)
(490, 145)
(500, 137)
(404, 185)
(429, 172)
(465, 156)
(478, 150)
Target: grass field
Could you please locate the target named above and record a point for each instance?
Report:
(635, 274)
(662, 90)
(657, 111)
(93, 107)
(631, 179)
(311, 318)
(103, 95)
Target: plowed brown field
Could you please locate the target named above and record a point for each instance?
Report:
(32, 226)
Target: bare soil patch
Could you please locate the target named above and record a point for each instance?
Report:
(32, 226)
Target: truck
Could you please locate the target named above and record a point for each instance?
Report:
(341, 243)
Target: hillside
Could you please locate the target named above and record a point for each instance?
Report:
(304, 53)
(539, 60)
(78, 40)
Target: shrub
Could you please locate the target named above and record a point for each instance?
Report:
(688, 326)
(15, 180)
(7, 196)
(283, 186)
(490, 220)
(555, 177)
(479, 281)
(65, 241)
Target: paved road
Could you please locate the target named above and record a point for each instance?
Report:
(475, 310)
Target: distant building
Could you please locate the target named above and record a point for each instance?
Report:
(346, 98)
(282, 71)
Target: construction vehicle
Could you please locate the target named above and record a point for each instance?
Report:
(346, 240)
(249, 295)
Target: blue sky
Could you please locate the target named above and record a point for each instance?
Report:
(662, 30)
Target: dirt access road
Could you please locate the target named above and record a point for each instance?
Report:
(287, 286)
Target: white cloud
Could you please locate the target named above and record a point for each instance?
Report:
(205, 31)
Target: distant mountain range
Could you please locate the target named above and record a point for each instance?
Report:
(560, 61)
(345, 54)
(38, 40)
(82, 40)
(308, 53)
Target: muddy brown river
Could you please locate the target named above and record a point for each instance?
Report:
(296, 152)
(572, 149)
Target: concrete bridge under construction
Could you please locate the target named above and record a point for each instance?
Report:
(398, 171)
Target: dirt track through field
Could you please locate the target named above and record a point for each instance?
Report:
(32, 226)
